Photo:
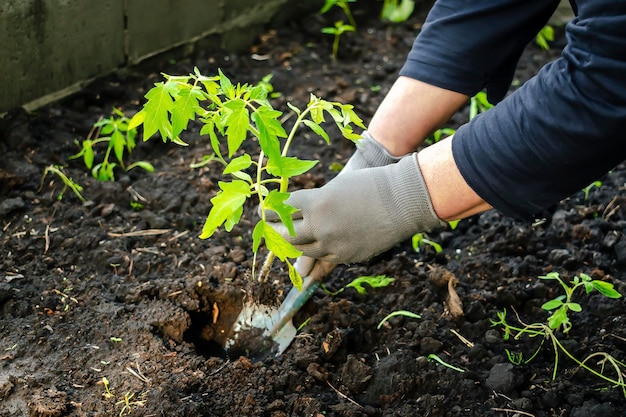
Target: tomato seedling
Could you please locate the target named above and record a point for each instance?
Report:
(343, 5)
(67, 182)
(339, 29)
(559, 320)
(231, 115)
(563, 304)
(119, 138)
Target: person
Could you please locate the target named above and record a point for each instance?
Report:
(557, 133)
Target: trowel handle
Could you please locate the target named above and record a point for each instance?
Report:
(295, 299)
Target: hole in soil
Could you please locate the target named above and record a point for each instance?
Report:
(212, 330)
(202, 334)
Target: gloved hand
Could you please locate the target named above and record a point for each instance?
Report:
(369, 153)
(361, 213)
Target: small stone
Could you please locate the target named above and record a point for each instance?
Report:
(10, 205)
(503, 378)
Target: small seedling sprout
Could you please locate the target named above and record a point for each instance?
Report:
(404, 313)
(559, 320)
(128, 403)
(561, 305)
(545, 35)
(434, 357)
(343, 5)
(67, 181)
(339, 29)
(397, 11)
(588, 188)
(378, 281)
(119, 138)
(479, 104)
(107, 394)
(419, 240)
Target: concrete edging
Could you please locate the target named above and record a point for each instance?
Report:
(53, 47)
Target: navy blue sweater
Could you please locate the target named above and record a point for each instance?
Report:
(558, 132)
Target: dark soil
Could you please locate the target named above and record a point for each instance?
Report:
(100, 290)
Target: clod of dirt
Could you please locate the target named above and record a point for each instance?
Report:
(51, 403)
(355, 374)
(6, 386)
(317, 372)
(171, 321)
(504, 378)
(443, 278)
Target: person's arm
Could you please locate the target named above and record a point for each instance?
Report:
(452, 198)
(410, 112)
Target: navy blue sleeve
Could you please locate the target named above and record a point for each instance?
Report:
(557, 133)
(562, 129)
(470, 45)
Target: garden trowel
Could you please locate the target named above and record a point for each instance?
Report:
(264, 329)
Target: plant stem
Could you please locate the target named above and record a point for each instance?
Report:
(267, 265)
(270, 256)
(284, 183)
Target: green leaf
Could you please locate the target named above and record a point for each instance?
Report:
(243, 176)
(157, 112)
(270, 118)
(130, 139)
(88, 155)
(270, 129)
(377, 281)
(575, 307)
(257, 236)
(316, 109)
(294, 276)
(275, 242)
(141, 164)
(397, 13)
(453, 224)
(227, 206)
(606, 289)
(238, 164)
(288, 166)
(107, 127)
(317, 129)
(232, 220)
(103, 172)
(552, 304)
(118, 142)
(184, 109)
(226, 85)
(209, 128)
(237, 123)
(259, 93)
(559, 318)
(350, 116)
(404, 313)
(551, 275)
(137, 120)
(275, 201)
(294, 108)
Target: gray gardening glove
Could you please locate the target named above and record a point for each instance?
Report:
(369, 154)
(362, 213)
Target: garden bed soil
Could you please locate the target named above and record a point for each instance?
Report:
(101, 291)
